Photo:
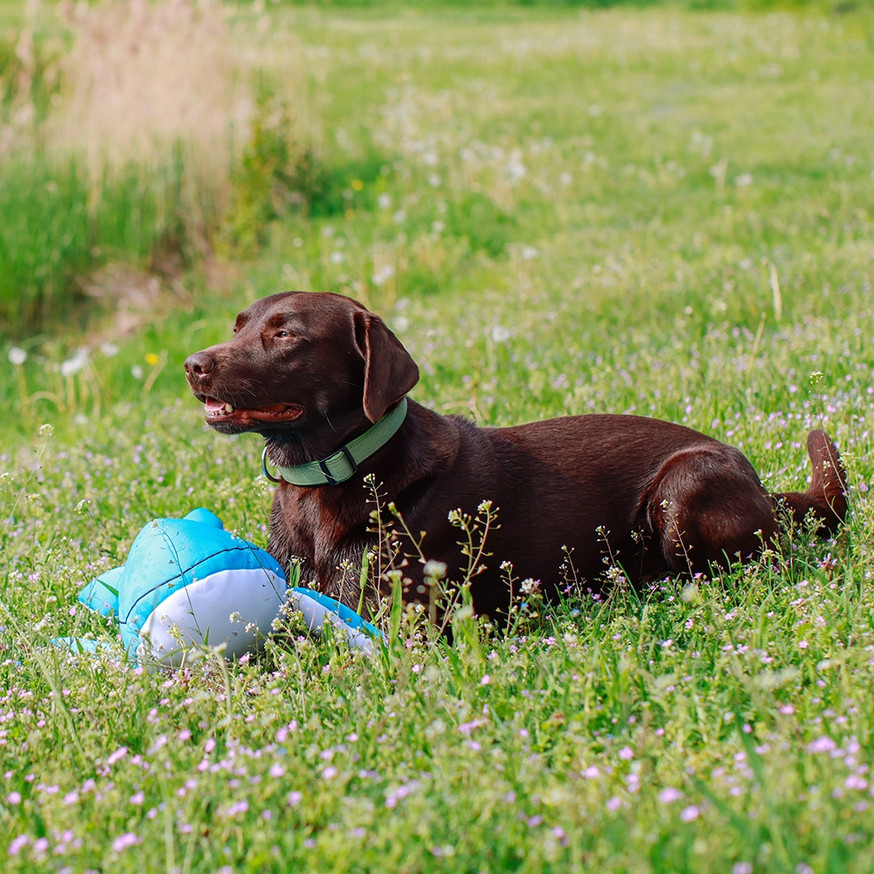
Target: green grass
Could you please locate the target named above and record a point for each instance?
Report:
(73, 227)
(691, 239)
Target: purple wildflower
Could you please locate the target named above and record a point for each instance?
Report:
(125, 841)
(18, 844)
(670, 795)
(237, 808)
(120, 753)
(822, 744)
(395, 795)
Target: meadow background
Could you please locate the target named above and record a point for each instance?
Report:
(663, 209)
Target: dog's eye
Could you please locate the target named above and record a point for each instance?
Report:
(282, 333)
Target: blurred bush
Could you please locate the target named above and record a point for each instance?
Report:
(277, 174)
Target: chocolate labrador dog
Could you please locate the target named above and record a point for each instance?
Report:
(325, 382)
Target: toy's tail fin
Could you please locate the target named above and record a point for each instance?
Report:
(826, 498)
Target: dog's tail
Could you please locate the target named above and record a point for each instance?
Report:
(826, 498)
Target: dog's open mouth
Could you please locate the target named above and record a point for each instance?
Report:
(222, 413)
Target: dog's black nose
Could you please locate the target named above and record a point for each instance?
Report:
(199, 364)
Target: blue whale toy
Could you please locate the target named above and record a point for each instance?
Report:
(188, 584)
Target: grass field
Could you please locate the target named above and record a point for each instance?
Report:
(558, 211)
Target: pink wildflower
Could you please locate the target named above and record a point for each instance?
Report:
(120, 753)
(18, 844)
(822, 744)
(125, 841)
(237, 808)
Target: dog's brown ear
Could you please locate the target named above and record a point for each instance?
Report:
(389, 372)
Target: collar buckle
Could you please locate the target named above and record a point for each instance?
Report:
(332, 480)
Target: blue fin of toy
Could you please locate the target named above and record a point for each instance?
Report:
(205, 517)
(101, 594)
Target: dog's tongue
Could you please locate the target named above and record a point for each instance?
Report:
(214, 406)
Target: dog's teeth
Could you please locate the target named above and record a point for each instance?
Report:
(229, 408)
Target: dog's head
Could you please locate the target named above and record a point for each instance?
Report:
(300, 359)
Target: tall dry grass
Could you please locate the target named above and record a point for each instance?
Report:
(144, 76)
(153, 84)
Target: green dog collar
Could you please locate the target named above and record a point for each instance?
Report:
(341, 466)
